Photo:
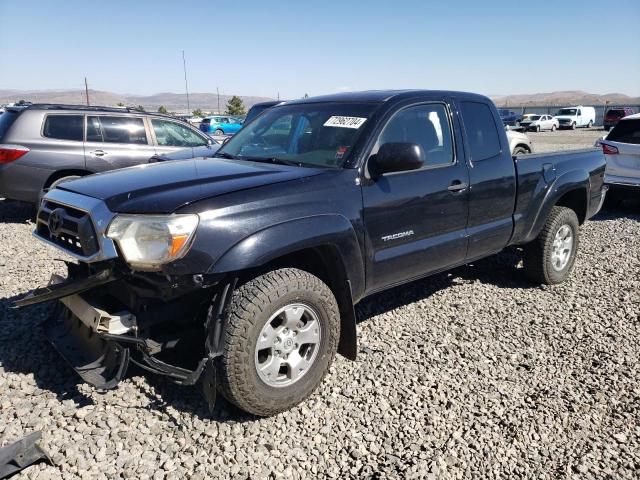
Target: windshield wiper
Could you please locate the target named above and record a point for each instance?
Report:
(273, 160)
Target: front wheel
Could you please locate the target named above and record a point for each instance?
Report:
(281, 337)
(550, 257)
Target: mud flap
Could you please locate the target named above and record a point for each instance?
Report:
(99, 362)
(209, 384)
(21, 454)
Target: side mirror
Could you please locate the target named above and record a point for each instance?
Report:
(397, 157)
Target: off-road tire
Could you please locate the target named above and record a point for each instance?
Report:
(251, 306)
(537, 254)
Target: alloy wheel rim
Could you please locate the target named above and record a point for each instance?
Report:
(562, 248)
(287, 345)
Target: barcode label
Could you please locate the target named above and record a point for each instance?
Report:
(345, 122)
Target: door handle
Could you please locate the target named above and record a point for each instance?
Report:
(457, 186)
(99, 153)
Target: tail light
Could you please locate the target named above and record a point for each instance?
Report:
(10, 153)
(609, 149)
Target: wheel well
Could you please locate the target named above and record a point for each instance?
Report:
(326, 263)
(576, 201)
(64, 173)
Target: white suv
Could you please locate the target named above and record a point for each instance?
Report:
(621, 148)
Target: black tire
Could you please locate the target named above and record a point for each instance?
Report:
(218, 132)
(520, 151)
(53, 185)
(251, 306)
(538, 266)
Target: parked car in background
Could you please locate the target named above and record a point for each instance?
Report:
(539, 122)
(519, 143)
(257, 108)
(613, 115)
(509, 117)
(574, 117)
(621, 148)
(44, 145)
(220, 125)
(206, 151)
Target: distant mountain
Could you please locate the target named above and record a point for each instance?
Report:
(177, 102)
(570, 97)
(172, 101)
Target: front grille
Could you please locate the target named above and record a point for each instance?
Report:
(71, 229)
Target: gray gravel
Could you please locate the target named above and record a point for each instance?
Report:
(470, 374)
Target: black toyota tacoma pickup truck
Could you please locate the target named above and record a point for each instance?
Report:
(240, 272)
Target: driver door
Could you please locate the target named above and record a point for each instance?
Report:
(415, 221)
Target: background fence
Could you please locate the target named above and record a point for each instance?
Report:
(552, 109)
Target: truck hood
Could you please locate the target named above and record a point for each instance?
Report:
(165, 187)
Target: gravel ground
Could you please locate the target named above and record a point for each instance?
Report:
(470, 374)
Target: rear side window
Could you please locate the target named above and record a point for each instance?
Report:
(172, 134)
(6, 120)
(116, 130)
(626, 131)
(63, 127)
(480, 127)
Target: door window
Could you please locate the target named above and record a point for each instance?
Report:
(63, 127)
(481, 131)
(172, 134)
(116, 130)
(426, 125)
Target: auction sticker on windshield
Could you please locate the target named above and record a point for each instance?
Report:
(344, 122)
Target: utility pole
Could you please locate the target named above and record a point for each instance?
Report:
(218, 93)
(186, 85)
(86, 90)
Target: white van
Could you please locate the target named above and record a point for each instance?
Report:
(572, 117)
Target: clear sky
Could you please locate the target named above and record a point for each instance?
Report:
(261, 48)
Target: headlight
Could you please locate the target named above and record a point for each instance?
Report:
(148, 241)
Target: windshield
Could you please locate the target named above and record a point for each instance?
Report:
(308, 134)
(566, 111)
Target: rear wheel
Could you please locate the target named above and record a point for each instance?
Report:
(520, 151)
(54, 185)
(550, 257)
(281, 337)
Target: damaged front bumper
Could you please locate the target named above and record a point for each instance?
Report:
(95, 331)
